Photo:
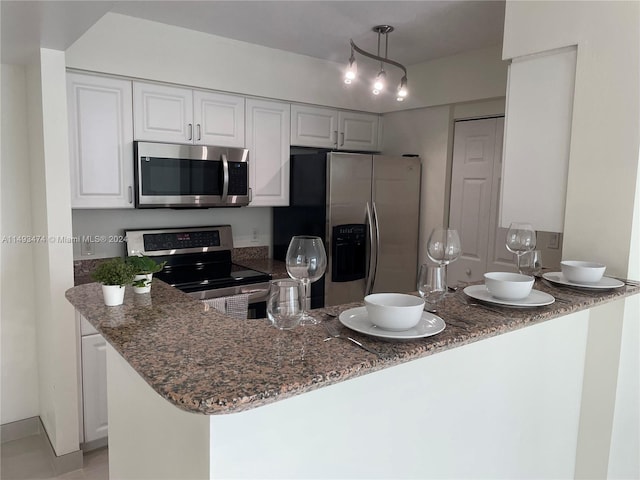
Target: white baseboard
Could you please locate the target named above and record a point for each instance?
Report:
(20, 429)
(33, 426)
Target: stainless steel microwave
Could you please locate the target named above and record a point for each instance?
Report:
(190, 176)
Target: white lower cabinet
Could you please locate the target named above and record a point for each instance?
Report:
(94, 387)
(268, 143)
(100, 141)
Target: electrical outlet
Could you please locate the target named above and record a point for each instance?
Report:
(254, 236)
(554, 241)
(86, 248)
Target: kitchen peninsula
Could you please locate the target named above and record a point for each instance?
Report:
(241, 399)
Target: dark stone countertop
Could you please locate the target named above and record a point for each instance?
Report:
(206, 362)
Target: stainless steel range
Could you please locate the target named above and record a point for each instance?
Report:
(199, 263)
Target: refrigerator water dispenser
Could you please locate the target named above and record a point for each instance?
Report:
(349, 247)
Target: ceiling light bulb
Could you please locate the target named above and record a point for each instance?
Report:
(375, 91)
(379, 83)
(400, 99)
(402, 89)
(352, 70)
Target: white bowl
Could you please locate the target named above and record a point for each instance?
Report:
(582, 272)
(508, 286)
(394, 311)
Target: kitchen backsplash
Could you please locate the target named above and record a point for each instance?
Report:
(251, 227)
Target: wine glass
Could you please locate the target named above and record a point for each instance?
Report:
(285, 303)
(432, 283)
(443, 246)
(521, 238)
(307, 262)
(531, 263)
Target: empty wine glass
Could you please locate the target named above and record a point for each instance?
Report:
(521, 238)
(306, 261)
(531, 263)
(432, 283)
(443, 246)
(285, 304)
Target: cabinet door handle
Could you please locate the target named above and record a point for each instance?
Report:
(335, 137)
(190, 131)
(199, 130)
(130, 194)
(342, 139)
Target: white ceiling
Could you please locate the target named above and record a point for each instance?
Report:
(424, 29)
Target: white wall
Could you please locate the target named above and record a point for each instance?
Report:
(428, 132)
(604, 132)
(602, 217)
(133, 47)
(53, 260)
(469, 76)
(128, 46)
(19, 376)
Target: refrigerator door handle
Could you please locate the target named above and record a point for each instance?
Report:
(372, 254)
(377, 249)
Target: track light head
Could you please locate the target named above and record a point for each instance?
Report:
(402, 89)
(379, 82)
(352, 70)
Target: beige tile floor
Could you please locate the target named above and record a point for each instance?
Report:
(26, 459)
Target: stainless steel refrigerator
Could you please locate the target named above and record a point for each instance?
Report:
(366, 208)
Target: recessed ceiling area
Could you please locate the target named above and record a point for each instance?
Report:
(424, 30)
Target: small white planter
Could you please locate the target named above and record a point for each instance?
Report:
(147, 281)
(113, 295)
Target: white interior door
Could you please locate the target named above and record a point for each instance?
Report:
(475, 181)
(499, 259)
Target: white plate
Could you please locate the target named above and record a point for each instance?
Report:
(357, 319)
(535, 299)
(604, 283)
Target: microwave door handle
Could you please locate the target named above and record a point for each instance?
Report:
(225, 178)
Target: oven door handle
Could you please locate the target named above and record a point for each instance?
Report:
(258, 295)
(225, 177)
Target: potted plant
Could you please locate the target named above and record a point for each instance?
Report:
(144, 268)
(113, 274)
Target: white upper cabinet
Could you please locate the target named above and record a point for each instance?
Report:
(162, 113)
(100, 141)
(331, 128)
(180, 115)
(358, 131)
(218, 119)
(268, 142)
(314, 126)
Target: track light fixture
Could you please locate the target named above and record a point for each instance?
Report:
(379, 83)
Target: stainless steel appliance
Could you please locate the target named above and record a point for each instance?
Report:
(190, 176)
(199, 263)
(366, 207)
